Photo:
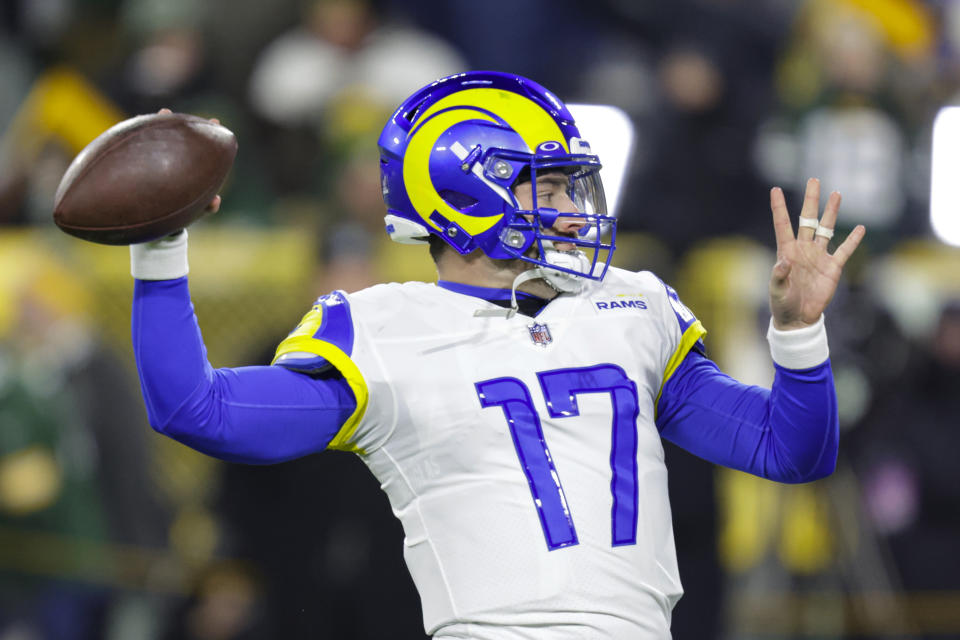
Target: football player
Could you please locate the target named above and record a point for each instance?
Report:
(513, 411)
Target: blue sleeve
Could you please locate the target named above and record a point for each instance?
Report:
(788, 433)
(255, 415)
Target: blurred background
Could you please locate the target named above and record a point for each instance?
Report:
(108, 530)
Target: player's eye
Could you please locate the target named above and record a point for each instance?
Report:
(549, 191)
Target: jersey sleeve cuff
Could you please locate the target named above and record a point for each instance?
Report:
(799, 348)
(163, 259)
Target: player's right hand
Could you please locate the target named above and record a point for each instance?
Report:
(214, 205)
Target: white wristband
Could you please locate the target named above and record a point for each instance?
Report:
(799, 348)
(163, 259)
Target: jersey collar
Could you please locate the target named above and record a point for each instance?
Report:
(529, 304)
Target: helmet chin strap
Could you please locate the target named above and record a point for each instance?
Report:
(559, 280)
(532, 274)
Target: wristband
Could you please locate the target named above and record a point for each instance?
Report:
(799, 348)
(163, 259)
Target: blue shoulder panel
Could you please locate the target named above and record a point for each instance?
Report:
(324, 339)
(328, 322)
(685, 317)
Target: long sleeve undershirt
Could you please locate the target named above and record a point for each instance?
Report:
(256, 415)
(266, 414)
(788, 433)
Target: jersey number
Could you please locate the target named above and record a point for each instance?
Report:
(560, 390)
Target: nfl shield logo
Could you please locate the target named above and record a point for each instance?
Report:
(540, 334)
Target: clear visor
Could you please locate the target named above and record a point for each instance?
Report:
(586, 189)
(590, 199)
(579, 182)
(583, 196)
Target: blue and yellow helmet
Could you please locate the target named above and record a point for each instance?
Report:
(452, 153)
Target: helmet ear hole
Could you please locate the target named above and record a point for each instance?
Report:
(411, 115)
(458, 200)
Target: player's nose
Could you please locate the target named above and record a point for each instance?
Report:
(567, 205)
(568, 225)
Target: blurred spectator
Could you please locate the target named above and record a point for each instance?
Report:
(225, 605)
(355, 250)
(949, 77)
(335, 76)
(325, 544)
(16, 71)
(344, 51)
(73, 457)
(168, 66)
(712, 86)
(844, 85)
(60, 115)
(353, 229)
(552, 41)
(908, 462)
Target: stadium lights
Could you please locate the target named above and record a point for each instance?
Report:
(610, 134)
(945, 178)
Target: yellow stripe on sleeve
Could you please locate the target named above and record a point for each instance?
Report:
(693, 333)
(342, 363)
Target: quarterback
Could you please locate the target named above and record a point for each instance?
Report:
(513, 411)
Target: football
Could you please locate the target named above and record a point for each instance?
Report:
(144, 178)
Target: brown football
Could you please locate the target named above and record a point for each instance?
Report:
(144, 178)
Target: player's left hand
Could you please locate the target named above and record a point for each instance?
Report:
(805, 276)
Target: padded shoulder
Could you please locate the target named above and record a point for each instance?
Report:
(325, 338)
(328, 325)
(685, 317)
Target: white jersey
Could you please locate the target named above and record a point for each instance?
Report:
(519, 453)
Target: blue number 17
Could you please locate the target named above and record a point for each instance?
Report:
(560, 390)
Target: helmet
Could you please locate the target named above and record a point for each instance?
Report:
(451, 154)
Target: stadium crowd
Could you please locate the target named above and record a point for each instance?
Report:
(108, 531)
